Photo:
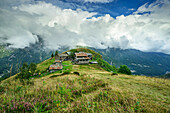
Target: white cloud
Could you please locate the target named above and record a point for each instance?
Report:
(10, 3)
(66, 27)
(98, 1)
(131, 9)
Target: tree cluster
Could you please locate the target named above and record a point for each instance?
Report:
(124, 69)
(27, 70)
(54, 55)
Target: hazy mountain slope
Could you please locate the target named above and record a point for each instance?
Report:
(11, 59)
(4, 51)
(143, 63)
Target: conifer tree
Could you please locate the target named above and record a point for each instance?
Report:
(56, 53)
(52, 55)
(32, 68)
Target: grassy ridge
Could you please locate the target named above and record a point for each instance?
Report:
(94, 90)
(96, 57)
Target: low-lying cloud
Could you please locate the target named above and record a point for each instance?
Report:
(147, 29)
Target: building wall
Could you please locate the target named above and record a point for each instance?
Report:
(58, 64)
(83, 62)
(63, 58)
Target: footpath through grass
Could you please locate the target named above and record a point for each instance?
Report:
(90, 89)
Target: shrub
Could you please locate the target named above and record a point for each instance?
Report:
(114, 73)
(26, 71)
(32, 68)
(76, 73)
(124, 69)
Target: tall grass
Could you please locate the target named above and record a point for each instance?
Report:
(93, 90)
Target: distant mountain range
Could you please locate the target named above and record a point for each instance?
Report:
(140, 63)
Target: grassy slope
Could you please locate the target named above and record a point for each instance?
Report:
(94, 90)
(43, 66)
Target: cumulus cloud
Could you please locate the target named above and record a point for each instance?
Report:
(146, 29)
(56, 26)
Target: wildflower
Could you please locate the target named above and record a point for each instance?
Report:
(12, 108)
(57, 105)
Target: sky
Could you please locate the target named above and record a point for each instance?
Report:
(125, 24)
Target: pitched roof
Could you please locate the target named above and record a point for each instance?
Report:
(64, 55)
(81, 54)
(57, 61)
(55, 67)
(83, 58)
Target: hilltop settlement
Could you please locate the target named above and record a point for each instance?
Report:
(76, 58)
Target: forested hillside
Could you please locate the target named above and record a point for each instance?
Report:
(141, 63)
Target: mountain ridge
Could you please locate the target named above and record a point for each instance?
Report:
(144, 63)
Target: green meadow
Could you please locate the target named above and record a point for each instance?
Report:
(84, 88)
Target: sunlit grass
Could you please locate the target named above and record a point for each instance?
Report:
(92, 90)
(43, 66)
